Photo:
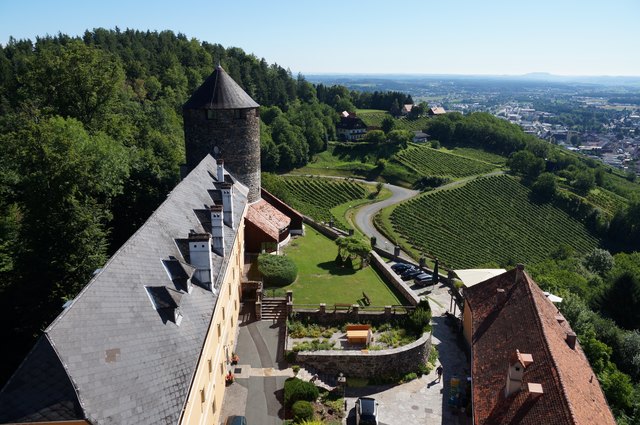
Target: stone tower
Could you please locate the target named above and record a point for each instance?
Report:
(221, 119)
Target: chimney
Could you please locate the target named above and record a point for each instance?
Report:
(517, 364)
(217, 229)
(571, 340)
(519, 272)
(200, 255)
(220, 170)
(500, 295)
(535, 390)
(227, 204)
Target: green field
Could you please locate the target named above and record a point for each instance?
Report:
(320, 281)
(431, 162)
(374, 117)
(316, 197)
(488, 220)
(479, 155)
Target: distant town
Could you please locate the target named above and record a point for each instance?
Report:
(599, 117)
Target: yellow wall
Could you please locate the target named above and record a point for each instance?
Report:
(204, 402)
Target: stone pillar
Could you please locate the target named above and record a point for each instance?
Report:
(258, 309)
(289, 296)
(323, 308)
(396, 251)
(356, 309)
(387, 311)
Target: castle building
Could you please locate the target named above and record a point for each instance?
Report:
(222, 120)
(149, 339)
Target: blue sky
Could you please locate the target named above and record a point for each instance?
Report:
(566, 37)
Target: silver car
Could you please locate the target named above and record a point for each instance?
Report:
(366, 411)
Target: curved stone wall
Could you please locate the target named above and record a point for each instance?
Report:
(365, 364)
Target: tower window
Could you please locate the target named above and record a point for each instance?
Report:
(240, 114)
(211, 114)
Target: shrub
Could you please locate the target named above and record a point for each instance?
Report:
(409, 377)
(302, 411)
(296, 389)
(277, 270)
(295, 368)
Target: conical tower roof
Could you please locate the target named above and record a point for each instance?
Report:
(219, 91)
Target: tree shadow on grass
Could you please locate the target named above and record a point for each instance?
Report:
(332, 268)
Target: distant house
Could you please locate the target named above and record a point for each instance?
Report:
(350, 128)
(436, 110)
(527, 366)
(406, 109)
(420, 137)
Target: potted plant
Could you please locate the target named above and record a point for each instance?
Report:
(234, 358)
(229, 378)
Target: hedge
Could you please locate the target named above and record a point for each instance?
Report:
(277, 270)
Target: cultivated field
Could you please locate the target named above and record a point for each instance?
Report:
(486, 221)
(431, 162)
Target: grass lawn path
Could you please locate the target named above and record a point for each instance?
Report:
(320, 281)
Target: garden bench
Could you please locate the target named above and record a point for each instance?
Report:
(359, 334)
(341, 306)
(367, 300)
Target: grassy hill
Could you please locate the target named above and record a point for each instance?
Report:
(487, 220)
(374, 117)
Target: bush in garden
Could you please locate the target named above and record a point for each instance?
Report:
(296, 389)
(302, 411)
(277, 270)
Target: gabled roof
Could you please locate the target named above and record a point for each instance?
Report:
(522, 318)
(219, 91)
(126, 364)
(437, 110)
(266, 217)
(472, 277)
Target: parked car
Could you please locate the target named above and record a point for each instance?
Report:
(236, 420)
(401, 267)
(410, 273)
(366, 411)
(422, 276)
(424, 282)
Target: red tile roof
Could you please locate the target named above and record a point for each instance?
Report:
(268, 218)
(522, 318)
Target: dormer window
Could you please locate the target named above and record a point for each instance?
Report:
(166, 302)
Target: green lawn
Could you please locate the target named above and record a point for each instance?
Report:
(320, 281)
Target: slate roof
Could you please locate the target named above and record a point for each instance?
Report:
(123, 361)
(219, 91)
(266, 217)
(522, 318)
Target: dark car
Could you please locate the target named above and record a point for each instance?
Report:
(410, 274)
(424, 282)
(401, 267)
(422, 276)
(366, 411)
(236, 420)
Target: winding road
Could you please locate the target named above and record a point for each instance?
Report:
(364, 216)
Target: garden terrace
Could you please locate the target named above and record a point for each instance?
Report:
(321, 280)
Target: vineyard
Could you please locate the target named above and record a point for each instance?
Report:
(315, 197)
(488, 220)
(373, 118)
(430, 162)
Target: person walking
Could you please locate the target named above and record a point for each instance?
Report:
(439, 371)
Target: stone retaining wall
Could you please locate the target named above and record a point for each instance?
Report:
(395, 280)
(328, 315)
(329, 232)
(366, 364)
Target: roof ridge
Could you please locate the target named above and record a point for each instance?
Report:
(545, 339)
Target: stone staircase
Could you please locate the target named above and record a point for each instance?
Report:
(274, 309)
(321, 380)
